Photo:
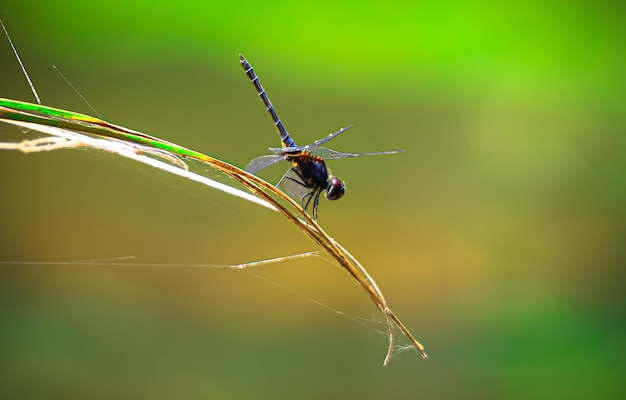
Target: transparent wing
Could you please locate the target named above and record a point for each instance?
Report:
(292, 184)
(320, 142)
(283, 150)
(324, 152)
(309, 147)
(330, 154)
(259, 163)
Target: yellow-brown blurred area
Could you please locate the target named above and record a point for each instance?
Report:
(497, 237)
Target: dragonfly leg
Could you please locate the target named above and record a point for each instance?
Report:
(301, 183)
(316, 202)
(291, 179)
(306, 199)
(315, 196)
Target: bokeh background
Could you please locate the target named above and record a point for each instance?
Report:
(497, 237)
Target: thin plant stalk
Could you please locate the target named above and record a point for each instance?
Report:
(81, 128)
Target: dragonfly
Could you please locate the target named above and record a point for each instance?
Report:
(308, 168)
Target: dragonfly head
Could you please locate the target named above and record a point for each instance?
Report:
(335, 189)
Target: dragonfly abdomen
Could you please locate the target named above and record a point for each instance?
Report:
(284, 136)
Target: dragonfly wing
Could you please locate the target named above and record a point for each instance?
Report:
(259, 163)
(292, 184)
(314, 145)
(283, 150)
(320, 142)
(330, 154)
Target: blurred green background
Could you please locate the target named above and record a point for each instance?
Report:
(498, 237)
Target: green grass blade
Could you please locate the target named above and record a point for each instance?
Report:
(98, 133)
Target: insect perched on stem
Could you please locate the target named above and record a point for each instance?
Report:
(71, 129)
(308, 167)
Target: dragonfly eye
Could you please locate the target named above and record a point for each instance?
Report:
(335, 189)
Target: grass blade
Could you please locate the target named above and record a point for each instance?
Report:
(97, 133)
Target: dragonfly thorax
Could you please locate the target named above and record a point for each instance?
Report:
(312, 170)
(335, 189)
